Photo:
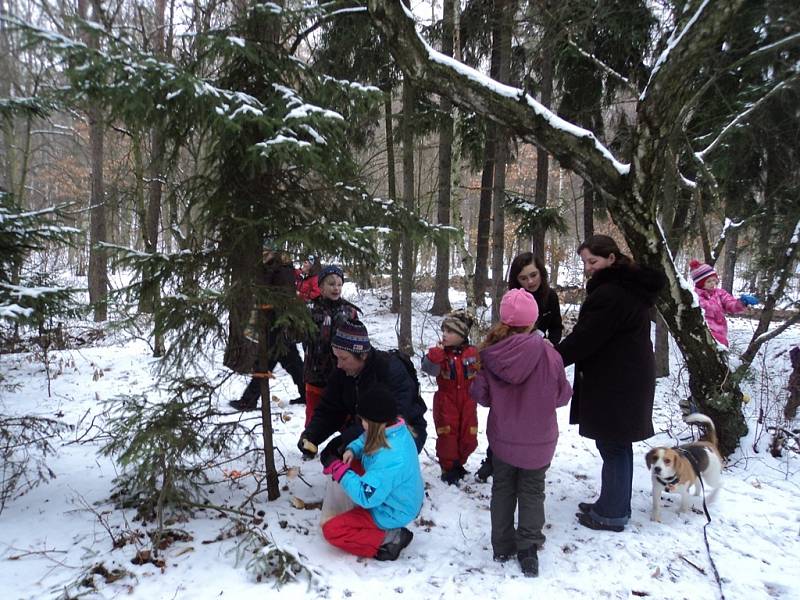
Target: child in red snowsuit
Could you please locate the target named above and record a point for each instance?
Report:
(454, 363)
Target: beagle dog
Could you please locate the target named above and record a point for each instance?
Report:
(696, 465)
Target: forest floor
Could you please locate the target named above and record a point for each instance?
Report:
(56, 541)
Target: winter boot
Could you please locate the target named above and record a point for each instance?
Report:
(243, 404)
(529, 561)
(453, 475)
(396, 540)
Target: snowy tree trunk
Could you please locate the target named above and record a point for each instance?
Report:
(404, 340)
(391, 177)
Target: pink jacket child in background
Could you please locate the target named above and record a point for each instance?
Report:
(715, 301)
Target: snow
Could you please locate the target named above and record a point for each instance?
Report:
(49, 536)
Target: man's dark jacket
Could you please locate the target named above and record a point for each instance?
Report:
(338, 408)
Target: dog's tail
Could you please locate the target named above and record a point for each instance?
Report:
(710, 432)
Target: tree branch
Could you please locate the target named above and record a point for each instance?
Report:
(575, 148)
(743, 116)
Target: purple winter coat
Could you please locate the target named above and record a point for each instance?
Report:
(716, 304)
(522, 382)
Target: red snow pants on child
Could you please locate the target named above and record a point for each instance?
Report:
(455, 414)
(355, 532)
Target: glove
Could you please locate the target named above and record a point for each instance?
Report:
(748, 299)
(336, 469)
(308, 449)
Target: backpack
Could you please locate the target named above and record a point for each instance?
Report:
(412, 372)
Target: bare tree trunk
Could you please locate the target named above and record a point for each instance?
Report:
(98, 258)
(273, 488)
(151, 291)
(504, 13)
(588, 209)
(394, 242)
(404, 340)
(499, 224)
(441, 295)
(542, 158)
(485, 216)
(730, 258)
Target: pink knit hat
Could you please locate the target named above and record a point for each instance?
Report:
(518, 308)
(700, 272)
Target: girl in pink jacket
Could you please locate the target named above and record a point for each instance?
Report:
(715, 301)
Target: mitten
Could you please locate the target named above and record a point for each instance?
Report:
(748, 299)
(308, 449)
(436, 354)
(336, 469)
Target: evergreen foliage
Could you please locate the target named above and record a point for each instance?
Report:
(28, 298)
(25, 444)
(165, 447)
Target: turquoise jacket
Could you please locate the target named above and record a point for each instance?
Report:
(391, 488)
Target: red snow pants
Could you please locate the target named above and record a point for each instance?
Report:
(455, 415)
(355, 532)
(313, 398)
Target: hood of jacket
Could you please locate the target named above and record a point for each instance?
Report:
(642, 281)
(512, 359)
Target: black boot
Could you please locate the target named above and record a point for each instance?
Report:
(243, 404)
(453, 475)
(249, 399)
(391, 550)
(529, 561)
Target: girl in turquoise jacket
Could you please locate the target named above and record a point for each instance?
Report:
(388, 496)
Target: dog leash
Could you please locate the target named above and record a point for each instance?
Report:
(693, 461)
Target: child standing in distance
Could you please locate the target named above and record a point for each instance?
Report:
(454, 362)
(522, 382)
(328, 312)
(715, 301)
(307, 285)
(389, 494)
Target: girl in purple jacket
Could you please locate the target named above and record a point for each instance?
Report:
(522, 382)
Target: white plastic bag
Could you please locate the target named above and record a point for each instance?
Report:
(336, 502)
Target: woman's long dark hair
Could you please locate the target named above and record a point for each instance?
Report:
(520, 262)
(605, 246)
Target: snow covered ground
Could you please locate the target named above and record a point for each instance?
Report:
(52, 535)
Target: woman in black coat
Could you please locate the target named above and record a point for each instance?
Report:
(612, 399)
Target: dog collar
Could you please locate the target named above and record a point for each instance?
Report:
(668, 482)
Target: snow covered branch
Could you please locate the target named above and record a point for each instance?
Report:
(744, 115)
(574, 147)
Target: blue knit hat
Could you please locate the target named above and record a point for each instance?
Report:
(352, 337)
(330, 270)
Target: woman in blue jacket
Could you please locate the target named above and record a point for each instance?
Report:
(388, 496)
